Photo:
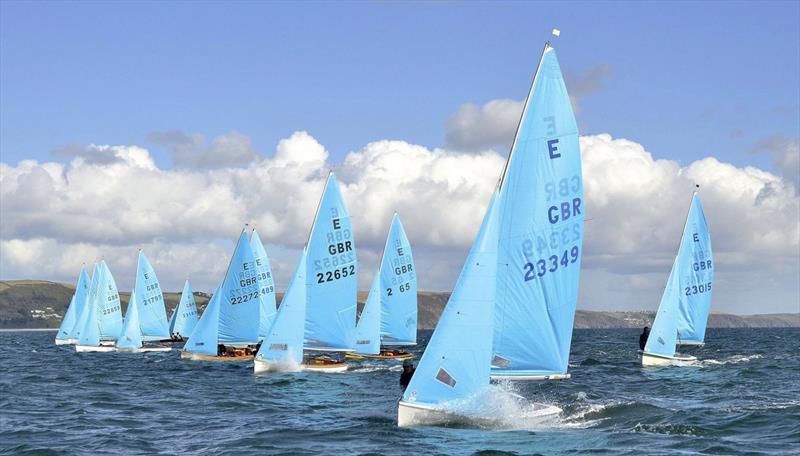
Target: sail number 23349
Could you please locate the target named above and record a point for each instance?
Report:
(550, 264)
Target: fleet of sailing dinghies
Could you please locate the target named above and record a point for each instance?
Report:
(184, 317)
(511, 313)
(389, 317)
(231, 318)
(101, 319)
(318, 311)
(67, 331)
(686, 302)
(266, 285)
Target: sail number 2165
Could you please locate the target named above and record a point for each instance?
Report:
(551, 264)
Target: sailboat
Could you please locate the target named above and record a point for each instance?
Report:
(514, 303)
(317, 312)
(684, 307)
(131, 339)
(184, 316)
(83, 315)
(266, 285)
(231, 319)
(102, 323)
(66, 332)
(389, 317)
(331, 282)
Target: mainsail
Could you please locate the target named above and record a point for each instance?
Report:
(131, 337)
(540, 225)
(266, 285)
(83, 315)
(152, 313)
(284, 341)
(331, 280)
(696, 274)
(203, 338)
(67, 329)
(184, 317)
(455, 364)
(663, 335)
(398, 289)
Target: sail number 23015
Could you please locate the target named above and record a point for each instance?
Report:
(550, 264)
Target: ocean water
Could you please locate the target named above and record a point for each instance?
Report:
(743, 398)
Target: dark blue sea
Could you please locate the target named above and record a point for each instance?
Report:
(744, 398)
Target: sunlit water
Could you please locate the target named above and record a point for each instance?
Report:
(744, 398)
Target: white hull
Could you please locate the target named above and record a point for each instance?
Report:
(93, 348)
(66, 341)
(502, 377)
(108, 343)
(409, 415)
(263, 367)
(649, 359)
(690, 344)
(144, 349)
(339, 367)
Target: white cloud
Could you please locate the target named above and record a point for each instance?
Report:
(232, 149)
(55, 216)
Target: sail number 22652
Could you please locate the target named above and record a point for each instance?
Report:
(550, 264)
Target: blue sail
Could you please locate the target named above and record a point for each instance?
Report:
(90, 331)
(266, 285)
(331, 275)
(131, 337)
(398, 289)
(540, 234)
(664, 333)
(83, 315)
(109, 310)
(239, 306)
(283, 343)
(203, 338)
(455, 364)
(152, 313)
(368, 329)
(696, 275)
(184, 317)
(67, 329)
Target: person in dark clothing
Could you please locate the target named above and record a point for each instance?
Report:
(408, 372)
(643, 337)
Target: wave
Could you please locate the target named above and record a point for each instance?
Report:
(734, 359)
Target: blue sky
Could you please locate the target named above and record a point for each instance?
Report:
(686, 80)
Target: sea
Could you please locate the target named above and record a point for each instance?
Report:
(743, 397)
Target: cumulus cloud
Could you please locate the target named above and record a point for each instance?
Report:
(232, 149)
(493, 125)
(785, 154)
(56, 215)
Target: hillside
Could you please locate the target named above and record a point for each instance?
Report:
(41, 304)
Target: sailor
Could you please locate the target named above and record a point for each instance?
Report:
(408, 372)
(643, 337)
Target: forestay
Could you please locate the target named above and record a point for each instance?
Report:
(184, 317)
(540, 234)
(284, 341)
(266, 285)
(131, 337)
(398, 289)
(455, 364)
(331, 275)
(696, 273)
(152, 313)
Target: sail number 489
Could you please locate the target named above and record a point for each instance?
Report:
(551, 264)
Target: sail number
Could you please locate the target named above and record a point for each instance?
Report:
(697, 289)
(244, 298)
(550, 264)
(403, 288)
(336, 274)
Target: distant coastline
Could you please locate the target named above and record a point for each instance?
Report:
(38, 305)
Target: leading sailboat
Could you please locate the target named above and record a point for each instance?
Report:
(511, 312)
(684, 307)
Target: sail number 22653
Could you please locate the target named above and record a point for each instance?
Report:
(550, 264)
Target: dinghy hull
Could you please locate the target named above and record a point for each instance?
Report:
(203, 357)
(516, 376)
(650, 359)
(145, 350)
(401, 356)
(690, 344)
(325, 368)
(94, 349)
(66, 341)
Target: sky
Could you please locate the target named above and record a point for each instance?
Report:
(167, 126)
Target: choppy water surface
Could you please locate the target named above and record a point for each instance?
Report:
(743, 399)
